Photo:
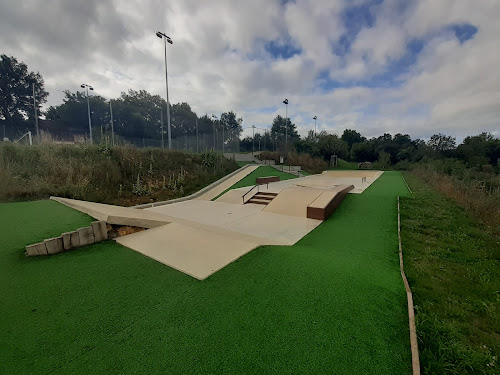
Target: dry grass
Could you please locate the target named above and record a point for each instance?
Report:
(117, 175)
(481, 197)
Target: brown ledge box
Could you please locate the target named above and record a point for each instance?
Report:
(96, 232)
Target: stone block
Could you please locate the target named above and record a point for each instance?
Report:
(75, 239)
(36, 249)
(104, 230)
(66, 237)
(42, 248)
(54, 245)
(100, 231)
(86, 235)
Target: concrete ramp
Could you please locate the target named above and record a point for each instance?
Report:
(307, 202)
(194, 251)
(116, 214)
(293, 201)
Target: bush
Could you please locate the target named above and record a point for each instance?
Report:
(116, 175)
(306, 162)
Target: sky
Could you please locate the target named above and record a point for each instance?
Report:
(375, 66)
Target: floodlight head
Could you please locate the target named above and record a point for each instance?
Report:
(90, 87)
(285, 101)
(82, 86)
(315, 118)
(169, 40)
(159, 35)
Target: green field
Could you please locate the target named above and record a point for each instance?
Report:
(332, 303)
(452, 263)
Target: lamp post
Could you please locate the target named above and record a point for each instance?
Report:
(87, 87)
(315, 118)
(286, 123)
(166, 39)
(213, 125)
(223, 139)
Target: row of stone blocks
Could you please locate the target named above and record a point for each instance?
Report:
(96, 232)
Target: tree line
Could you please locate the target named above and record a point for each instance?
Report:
(138, 114)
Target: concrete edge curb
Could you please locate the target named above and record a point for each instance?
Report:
(415, 361)
(196, 194)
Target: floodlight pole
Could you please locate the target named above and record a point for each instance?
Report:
(112, 124)
(36, 115)
(315, 118)
(165, 40)
(87, 87)
(162, 135)
(286, 124)
(213, 125)
(197, 143)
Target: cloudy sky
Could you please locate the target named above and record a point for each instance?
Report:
(417, 67)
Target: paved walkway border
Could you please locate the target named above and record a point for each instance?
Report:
(196, 194)
(415, 361)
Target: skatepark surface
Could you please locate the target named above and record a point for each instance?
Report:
(200, 236)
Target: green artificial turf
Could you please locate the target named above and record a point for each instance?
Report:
(332, 303)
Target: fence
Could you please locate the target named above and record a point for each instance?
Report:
(186, 143)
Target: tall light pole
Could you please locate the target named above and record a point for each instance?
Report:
(213, 125)
(112, 125)
(87, 87)
(286, 123)
(315, 118)
(36, 116)
(223, 139)
(166, 39)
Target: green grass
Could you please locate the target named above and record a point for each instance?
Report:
(453, 266)
(332, 303)
(345, 165)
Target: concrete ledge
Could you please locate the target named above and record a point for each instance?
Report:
(415, 358)
(194, 195)
(325, 205)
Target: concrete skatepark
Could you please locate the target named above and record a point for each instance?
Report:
(199, 236)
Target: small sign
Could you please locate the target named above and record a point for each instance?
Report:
(281, 159)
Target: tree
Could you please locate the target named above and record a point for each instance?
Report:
(363, 152)
(232, 127)
(72, 114)
(351, 137)
(279, 130)
(16, 92)
(442, 143)
(480, 149)
(330, 144)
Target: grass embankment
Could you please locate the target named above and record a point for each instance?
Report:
(119, 175)
(243, 163)
(332, 303)
(262, 171)
(453, 266)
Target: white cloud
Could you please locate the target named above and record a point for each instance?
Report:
(218, 61)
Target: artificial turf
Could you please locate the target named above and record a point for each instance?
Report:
(332, 303)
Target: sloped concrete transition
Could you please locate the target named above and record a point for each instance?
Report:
(199, 236)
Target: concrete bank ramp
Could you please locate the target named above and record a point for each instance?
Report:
(308, 202)
(194, 251)
(116, 214)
